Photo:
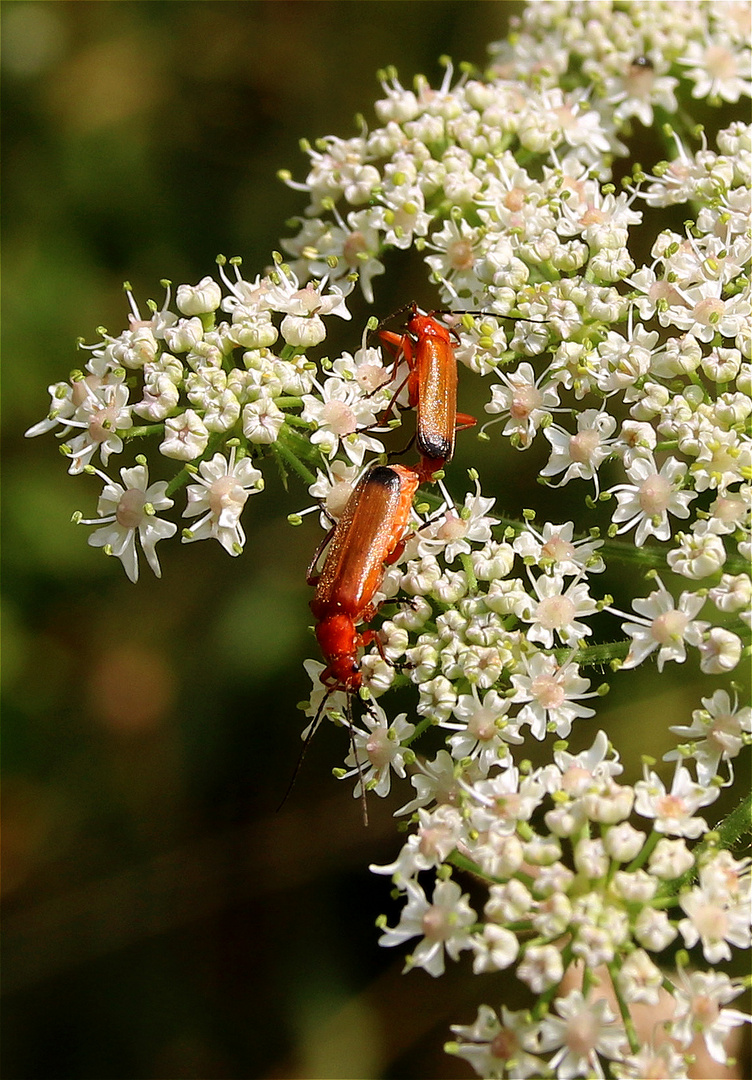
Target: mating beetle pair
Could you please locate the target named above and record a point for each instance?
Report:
(371, 532)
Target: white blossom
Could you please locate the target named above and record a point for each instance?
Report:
(127, 512)
(650, 497)
(219, 497)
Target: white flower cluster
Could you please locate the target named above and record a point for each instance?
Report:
(585, 889)
(613, 335)
(216, 395)
(494, 634)
(639, 56)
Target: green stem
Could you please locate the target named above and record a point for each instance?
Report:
(467, 566)
(140, 432)
(293, 461)
(738, 822)
(624, 551)
(420, 727)
(461, 862)
(179, 480)
(634, 1042)
(297, 421)
(642, 856)
(594, 654)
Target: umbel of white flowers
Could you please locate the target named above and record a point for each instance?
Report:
(626, 367)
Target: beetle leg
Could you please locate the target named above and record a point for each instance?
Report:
(312, 576)
(464, 421)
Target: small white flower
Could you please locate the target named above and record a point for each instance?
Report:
(553, 915)
(220, 495)
(555, 551)
(733, 593)
(673, 811)
(699, 997)
(652, 1060)
(698, 556)
(664, 625)
(458, 245)
(434, 781)
(497, 1049)
(262, 421)
(574, 773)
(483, 728)
(520, 400)
(609, 802)
(505, 800)
(102, 413)
(303, 331)
(623, 361)
(375, 379)
(160, 395)
(495, 560)
(436, 837)
(378, 751)
(718, 68)
(184, 335)
(651, 496)
(720, 651)
(582, 454)
(669, 859)
(623, 842)
(509, 903)
(332, 490)
(590, 858)
(731, 510)
(306, 303)
(642, 85)
(551, 692)
(402, 215)
(722, 457)
(639, 979)
(705, 312)
(65, 400)
(186, 437)
(540, 968)
(715, 920)
(251, 329)
(199, 299)
(726, 877)
(437, 699)
(636, 886)
(442, 925)
(339, 414)
(717, 733)
(453, 533)
(127, 511)
(654, 930)
(495, 949)
(557, 611)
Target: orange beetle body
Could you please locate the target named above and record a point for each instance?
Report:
(369, 535)
(428, 350)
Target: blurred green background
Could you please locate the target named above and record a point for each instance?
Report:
(161, 919)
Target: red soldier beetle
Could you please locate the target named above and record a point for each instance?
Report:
(428, 349)
(369, 535)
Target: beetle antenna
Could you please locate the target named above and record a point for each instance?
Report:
(405, 307)
(489, 315)
(358, 763)
(311, 732)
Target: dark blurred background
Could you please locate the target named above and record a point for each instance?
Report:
(161, 919)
